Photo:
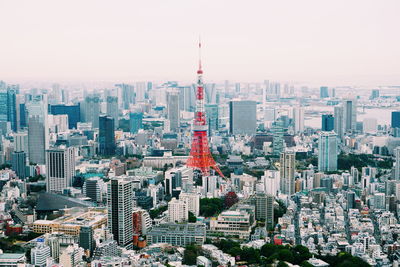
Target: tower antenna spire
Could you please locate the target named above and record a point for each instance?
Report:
(199, 52)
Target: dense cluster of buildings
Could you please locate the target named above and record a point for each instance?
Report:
(101, 177)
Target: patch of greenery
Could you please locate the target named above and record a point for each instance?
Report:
(211, 206)
(154, 213)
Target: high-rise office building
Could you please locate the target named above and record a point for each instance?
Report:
(395, 119)
(112, 109)
(278, 132)
(212, 117)
(73, 112)
(186, 98)
(86, 240)
(287, 169)
(23, 115)
(140, 91)
(338, 121)
(135, 122)
(21, 141)
(13, 107)
(242, 117)
(90, 110)
(173, 110)
(349, 115)
(328, 123)
(60, 168)
(177, 211)
(106, 136)
(265, 209)
(323, 92)
(18, 163)
(92, 188)
(119, 204)
(9, 105)
(38, 130)
(298, 119)
(127, 95)
(327, 151)
(396, 153)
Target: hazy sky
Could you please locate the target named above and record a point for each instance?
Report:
(329, 42)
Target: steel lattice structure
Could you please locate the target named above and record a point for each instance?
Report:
(200, 155)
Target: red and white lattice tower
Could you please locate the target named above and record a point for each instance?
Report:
(200, 156)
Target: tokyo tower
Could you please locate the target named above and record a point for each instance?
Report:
(200, 156)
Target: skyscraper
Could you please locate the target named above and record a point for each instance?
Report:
(106, 136)
(212, 117)
(13, 107)
(18, 163)
(349, 115)
(327, 151)
(323, 92)
(396, 153)
(9, 105)
(92, 189)
(265, 209)
(112, 109)
(140, 91)
(173, 111)
(338, 121)
(298, 119)
(86, 240)
(60, 166)
(90, 110)
(287, 168)
(127, 94)
(135, 122)
(277, 137)
(242, 117)
(38, 130)
(328, 123)
(73, 112)
(21, 142)
(119, 204)
(395, 119)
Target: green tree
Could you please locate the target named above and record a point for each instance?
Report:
(192, 217)
(190, 254)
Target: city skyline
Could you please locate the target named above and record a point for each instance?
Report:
(337, 43)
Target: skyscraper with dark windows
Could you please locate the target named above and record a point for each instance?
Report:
(106, 136)
(395, 119)
(328, 123)
(135, 122)
(18, 163)
(119, 204)
(73, 112)
(9, 106)
(60, 167)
